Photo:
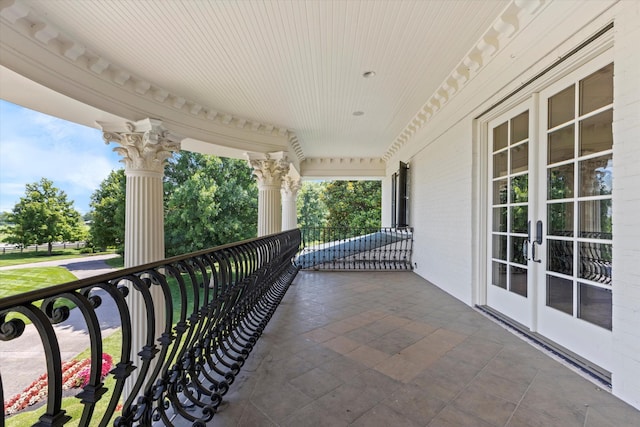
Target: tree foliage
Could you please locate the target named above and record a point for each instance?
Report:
(312, 211)
(209, 201)
(44, 215)
(108, 212)
(353, 204)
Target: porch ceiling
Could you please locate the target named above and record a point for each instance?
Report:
(292, 69)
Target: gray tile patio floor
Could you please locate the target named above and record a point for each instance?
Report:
(390, 349)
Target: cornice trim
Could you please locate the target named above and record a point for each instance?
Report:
(511, 22)
(343, 167)
(16, 15)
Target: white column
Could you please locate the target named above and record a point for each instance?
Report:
(269, 169)
(289, 191)
(145, 147)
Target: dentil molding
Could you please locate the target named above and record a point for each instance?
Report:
(24, 22)
(511, 22)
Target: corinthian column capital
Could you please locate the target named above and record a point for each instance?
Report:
(290, 186)
(269, 168)
(144, 145)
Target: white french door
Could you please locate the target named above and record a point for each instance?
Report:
(576, 171)
(550, 212)
(509, 214)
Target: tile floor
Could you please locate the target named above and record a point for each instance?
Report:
(390, 349)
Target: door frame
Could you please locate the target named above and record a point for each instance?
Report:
(550, 71)
(510, 299)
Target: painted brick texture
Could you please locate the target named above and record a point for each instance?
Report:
(626, 204)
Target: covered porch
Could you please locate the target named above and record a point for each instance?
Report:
(391, 349)
(329, 348)
(494, 126)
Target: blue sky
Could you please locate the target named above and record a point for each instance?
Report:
(34, 145)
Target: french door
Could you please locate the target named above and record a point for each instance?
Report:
(550, 212)
(509, 270)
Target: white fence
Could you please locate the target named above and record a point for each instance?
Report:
(9, 249)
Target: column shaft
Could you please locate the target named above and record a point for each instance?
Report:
(145, 146)
(290, 187)
(269, 210)
(269, 169)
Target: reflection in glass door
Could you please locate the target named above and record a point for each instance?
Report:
(509, 215)
(579, 202)
(575, 307)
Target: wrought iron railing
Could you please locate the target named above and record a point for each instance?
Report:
(223, 298)
(342, 248)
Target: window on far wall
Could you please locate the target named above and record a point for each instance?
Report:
(399, 197)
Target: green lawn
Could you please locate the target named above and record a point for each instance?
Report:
(20, 280)
(18, 258)
(115, 262)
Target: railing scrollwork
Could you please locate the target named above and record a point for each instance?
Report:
(217, 303)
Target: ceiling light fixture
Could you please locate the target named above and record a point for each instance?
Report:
(368, 74)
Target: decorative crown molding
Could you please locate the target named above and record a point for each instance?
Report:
(24, 20)
(294, 143)
(343, 167)
(513, 19)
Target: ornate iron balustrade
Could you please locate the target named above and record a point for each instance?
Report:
(342, 248)
(226, 296)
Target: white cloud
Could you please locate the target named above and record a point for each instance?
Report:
(33, 145)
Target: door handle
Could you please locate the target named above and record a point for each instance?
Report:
(539, 232)
(525, 251)
(538, 241)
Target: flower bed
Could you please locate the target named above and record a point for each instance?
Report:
(74, 374)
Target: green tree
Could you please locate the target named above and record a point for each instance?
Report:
(312, 212)
(209, 201)
(4, 218)
(353, 204)
(44, 215)
(108, 212)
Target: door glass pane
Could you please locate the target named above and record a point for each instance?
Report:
(596, 90)
(560, 256)
(500, 136)
(519, 216)
(518, 279)
(560, 294)
(500, 192)
(595, 176)
(520, 127)
(595, 219)
(561, 145)
(561, 107)
(520, 189)
(560, 182)
(596, 134)
(520, 158)
(500, 164)
(500, 247)
(560, 219)
(500, 219)
(499, 274)
(517, 250)
(594, 305)
(595, 262)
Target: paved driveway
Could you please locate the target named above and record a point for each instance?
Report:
(22, 360)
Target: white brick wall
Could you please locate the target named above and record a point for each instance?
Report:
(441, 209)
(626, 204)
(443, 180)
